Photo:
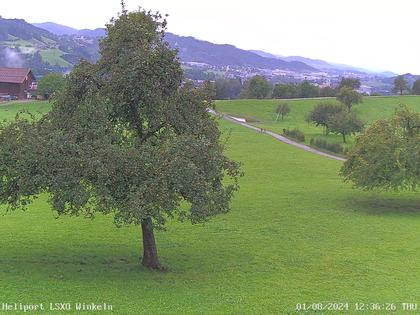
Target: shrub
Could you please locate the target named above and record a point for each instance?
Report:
(295, 134)
(323, 144)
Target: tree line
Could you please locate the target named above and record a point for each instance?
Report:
(401, 86)
(258, 87)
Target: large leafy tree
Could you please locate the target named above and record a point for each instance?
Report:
(257, 87)
(283, 109)
(387, 154)
(124, 137)
(416, 87)
(345, 123)
(321, 114)
(400, 84)
(352, 83)
(50, 84)
(349, 97)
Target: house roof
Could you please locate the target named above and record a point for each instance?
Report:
(14, 75)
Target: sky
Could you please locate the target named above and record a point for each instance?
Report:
(373, 34)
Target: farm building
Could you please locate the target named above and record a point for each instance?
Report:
(17, 82)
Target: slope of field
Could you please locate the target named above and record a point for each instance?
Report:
(261, 113)
(296, 234)
(54, 57)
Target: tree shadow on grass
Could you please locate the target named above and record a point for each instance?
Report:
(386, 205)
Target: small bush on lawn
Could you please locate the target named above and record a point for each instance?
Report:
(295, 134)
(323, 144)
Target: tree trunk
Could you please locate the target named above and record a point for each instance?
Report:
(344, 137)
(150, 257)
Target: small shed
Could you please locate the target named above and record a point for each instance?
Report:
(16, 82)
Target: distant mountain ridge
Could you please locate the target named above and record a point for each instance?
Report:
(194, 50)
(198, 51)
(59, 29)
(323, 65)
(49, 46)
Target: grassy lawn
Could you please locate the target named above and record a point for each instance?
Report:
(296, 234)
(10, 109)
(262, 113)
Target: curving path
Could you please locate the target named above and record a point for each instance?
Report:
(277, 136)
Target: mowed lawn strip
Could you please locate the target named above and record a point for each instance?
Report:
(261, 113)
(296, 234)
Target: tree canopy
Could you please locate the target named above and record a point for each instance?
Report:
(126, 137)
(50, 84)
(321, 114)
(416, 87)
(352, 83)
(400, 84)
(345, 123)
(257, 87)
(348, 97)
(387, 154)
(283, 109)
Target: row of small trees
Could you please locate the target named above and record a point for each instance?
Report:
(338, 119)
(258, 87)
(335, 118)
(401, 85)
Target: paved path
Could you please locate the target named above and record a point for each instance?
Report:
(277, 136)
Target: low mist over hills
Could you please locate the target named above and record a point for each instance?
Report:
(25, 45)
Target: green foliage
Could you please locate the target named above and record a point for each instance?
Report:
(50, 84)
(209, 90)
(257, 87)
(324, 144)
(239, 253)
(400, 84)
(327, 92)
(295, 134)
(348, 97)
(283, 109)
(345, 123)
(263, 111)
(302, 90)
(416, 87)
(321, 114)
(352, 83)
(124, 137)
(387, 155)
(228, 88)
(285, 91)
(307, 90)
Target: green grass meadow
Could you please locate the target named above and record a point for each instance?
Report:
(261, 113)
(296, 234)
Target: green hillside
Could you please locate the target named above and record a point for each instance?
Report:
(24, 45)
(261, 113)
(296, 234)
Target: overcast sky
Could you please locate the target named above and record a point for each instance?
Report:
(374, 34)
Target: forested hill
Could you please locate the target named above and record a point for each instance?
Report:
(25, 45)
(198, 51)
(194, 50)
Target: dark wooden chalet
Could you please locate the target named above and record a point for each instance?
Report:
(16, 81)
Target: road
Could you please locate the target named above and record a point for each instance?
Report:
(277, 136)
